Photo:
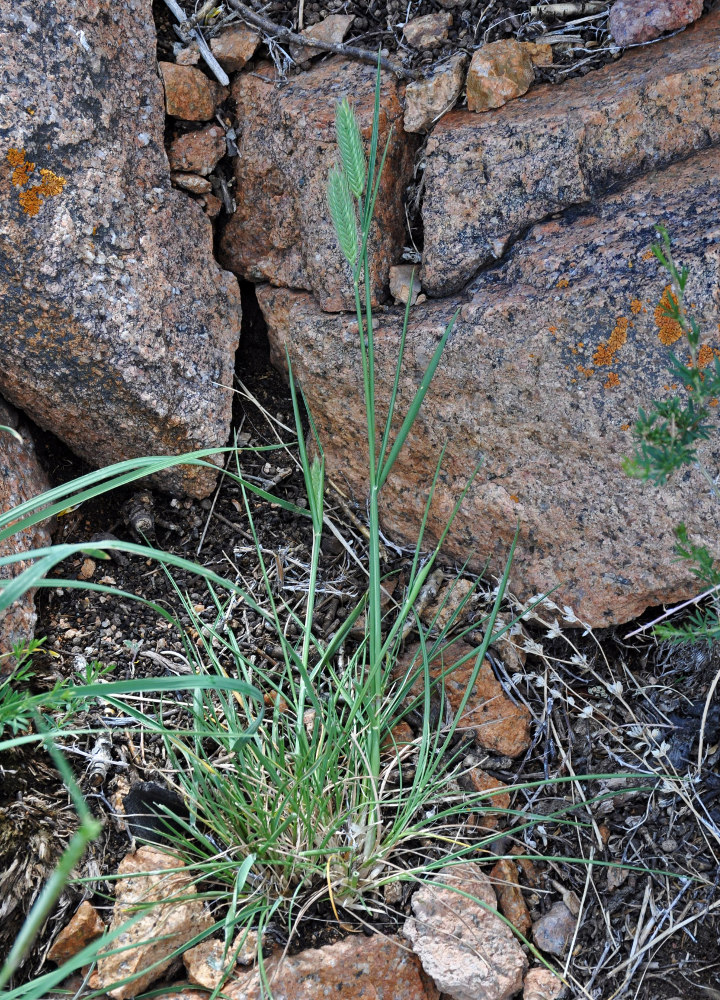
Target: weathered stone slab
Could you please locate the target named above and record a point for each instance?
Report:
(550, 357)
(117, 327)
(490, 176)
(281, 231)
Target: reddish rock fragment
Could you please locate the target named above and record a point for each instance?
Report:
(189, 94)
(635, 21)
(354, 969)
(212, 206)
(498, 72)
(553, 932)
(542, 984)
(509, 895)
(330, 29)
(21, 478)
(192, 183)
(282, 231)
(499, 725)
(476, 780)
(467, 950)
(85, 926)
(175, 919)
(198, 152)
(427, 100)
(428, 31)
(235, 47)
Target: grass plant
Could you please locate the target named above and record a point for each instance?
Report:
(299, 788)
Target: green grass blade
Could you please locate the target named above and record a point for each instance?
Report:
(417, 402)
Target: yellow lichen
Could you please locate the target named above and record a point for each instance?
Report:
(669, 330)
(705, 356)
(563, 283)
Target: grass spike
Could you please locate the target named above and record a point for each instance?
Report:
(342, 211)
(350, 144)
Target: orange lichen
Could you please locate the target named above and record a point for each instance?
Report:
(553, 329)
(15, 156)
(31, 200)
(612, 381)
(648, 255)
(624, 427)
(713, 402)
(587, 372)
(635, 306)
(705, 356)
(669, 330)
(563, 283)
(605, 353)
(515, 498)
(51, 184)
(21, 175)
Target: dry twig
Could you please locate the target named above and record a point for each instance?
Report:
(339, 48)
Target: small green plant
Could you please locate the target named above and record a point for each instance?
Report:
(668, 437)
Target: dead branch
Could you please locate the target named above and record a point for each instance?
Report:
(339, 48)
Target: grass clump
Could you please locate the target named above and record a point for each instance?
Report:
(295, 783)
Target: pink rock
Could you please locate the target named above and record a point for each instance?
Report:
(176, 919)
(85, 926)
(355, 969)
(488, 177)
(427, 100)
(198, 152)
(192, 183)
(234, 47)
(21, 478)
(118, 327)
(551, 354)
(427, 31)
(553, 932)
(499, 724)
(498, 72)
(189, 94)
(635, 21)
(542, 984)
(467, 950)
(331, 29)
(212, 206)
